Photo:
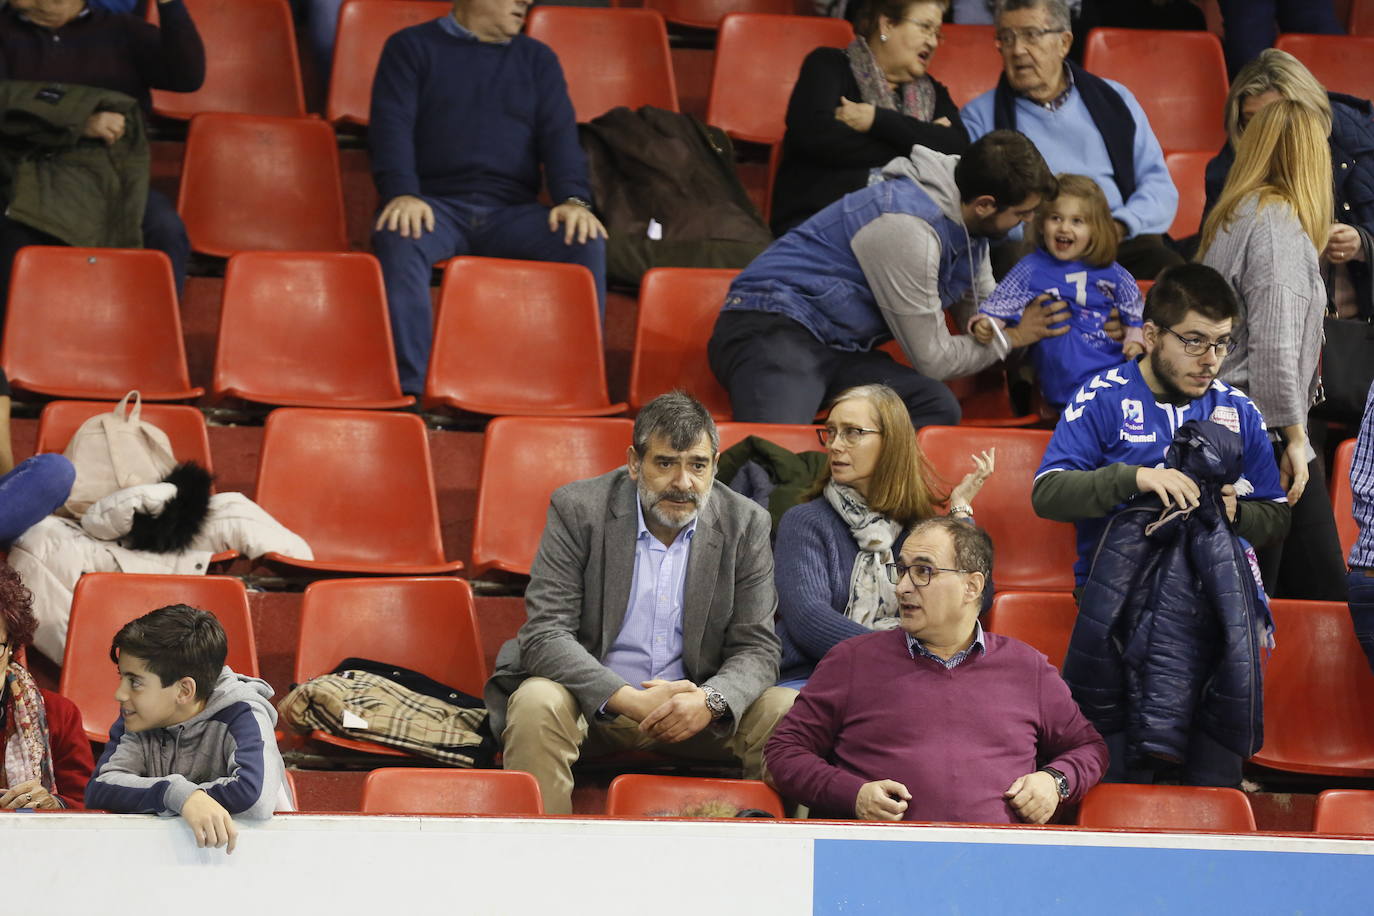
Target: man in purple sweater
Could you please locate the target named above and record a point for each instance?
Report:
(468, 118)
(937, 721)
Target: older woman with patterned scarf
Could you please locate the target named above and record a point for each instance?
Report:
(831, 553)
(855, 109)
(45, 755)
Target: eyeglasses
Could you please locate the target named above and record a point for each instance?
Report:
(1009, 37)
(921, 573)
(926, 29)
(1196, 346)
(849, 435)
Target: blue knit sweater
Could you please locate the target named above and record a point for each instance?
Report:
(456, 117)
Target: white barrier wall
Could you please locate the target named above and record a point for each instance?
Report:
(308, 864)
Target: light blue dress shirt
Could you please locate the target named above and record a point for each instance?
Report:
(649, 645)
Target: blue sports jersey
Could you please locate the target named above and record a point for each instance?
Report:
(1115, 419)
(1065, 362)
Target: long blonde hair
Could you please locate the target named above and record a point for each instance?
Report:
(1273, 71)
(904, 484)
(1283, 157)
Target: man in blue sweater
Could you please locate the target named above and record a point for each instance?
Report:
(1081, 124)
(466, 112)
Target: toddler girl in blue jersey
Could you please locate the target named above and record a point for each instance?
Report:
(1074, 261)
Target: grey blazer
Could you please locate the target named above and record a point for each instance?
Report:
(580, 589)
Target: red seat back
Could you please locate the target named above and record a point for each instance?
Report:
(678, 307)
(422, 790)
(610, 57)
(1132, 807)
(1042, 619)
(1341, 63)
(1188, 170)
(1345, 811)
(1183, 100)
(793, 438)
(1343, 498)
(641, 795)
(253, 183)
(184, 426)
(306, 329)
(104, 602)
(364, 27)
(706, 14)
(94, 323)
(1362, 17)
(967, 61)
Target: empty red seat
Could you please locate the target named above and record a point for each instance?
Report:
(364, 27)
(967, 61)
(252, 183)
(610, 57)
(306, 329)
(1362, 17)
(358, 486)
(1042, 619)
(524, 459)
(1341, 63)
(1318, 693)
(1132, 807)
(793, 438)
(678, 307)
(1342, 498)
(1345, 811)
(94, 323)
(1182, 99)
(428, 625)
(641, 795)
(104, 602)
(250, 61)
(706, 14)
(1032, 552)
(412, 790)
(184, 426)
(518, 337)
(1188, 170)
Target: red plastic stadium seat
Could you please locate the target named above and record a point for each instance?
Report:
(706, 14)
(1042, 619)
(1132, 807)
(1341, 63)
(524, 459)
(1345, 811)
(610, 57)
(518, 337)
(184, 426)
(1342, 499)
(253, 183)
(1183, 99)
(306, 329)
(678, 307)
(358, 486)
(1318, 694)
(364, 27)
(1187, 169)
(641, 795)
(967, 61)
(250, 61)
(793, 438)
(94, 323)
(1032, 552)
(428, 625)
(407, 790)
(104, 602)
(1362, 17)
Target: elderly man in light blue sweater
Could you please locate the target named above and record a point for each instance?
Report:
(1081, 124)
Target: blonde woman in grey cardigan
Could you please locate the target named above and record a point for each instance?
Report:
(1263, 236)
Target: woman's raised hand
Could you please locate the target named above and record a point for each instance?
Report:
(983, 466)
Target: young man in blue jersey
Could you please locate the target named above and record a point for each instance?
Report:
(1112, 437)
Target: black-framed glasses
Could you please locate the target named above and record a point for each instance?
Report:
(1196, 346)
(1009, 37)
(849, 435)
(921, 573)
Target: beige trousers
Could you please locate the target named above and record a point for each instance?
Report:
(545, 734)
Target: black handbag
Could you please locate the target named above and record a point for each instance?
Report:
(1347, 369)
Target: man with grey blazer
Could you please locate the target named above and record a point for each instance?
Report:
(649, 616)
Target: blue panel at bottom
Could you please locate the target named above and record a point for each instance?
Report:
(874, 876)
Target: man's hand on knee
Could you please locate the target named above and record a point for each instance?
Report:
(637, 704)
(579, 224)
(681, 716)
(408, 215)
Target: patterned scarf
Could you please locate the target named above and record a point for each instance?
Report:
(872, 598)
(28, 753)
(917, 98)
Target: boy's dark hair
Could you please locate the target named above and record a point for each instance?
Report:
(1005, 165)
(176, 641)
(1186, 288)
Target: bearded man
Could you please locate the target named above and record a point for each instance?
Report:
(649, 616)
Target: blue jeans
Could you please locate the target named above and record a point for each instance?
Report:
(31, 492)
(1208, 763)
(1360, 590)
(520, 231)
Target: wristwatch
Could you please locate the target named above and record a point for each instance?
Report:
(1061, 782)
(961, 509)
(715, 702)
(584, 204)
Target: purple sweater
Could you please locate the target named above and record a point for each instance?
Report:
(955, 738)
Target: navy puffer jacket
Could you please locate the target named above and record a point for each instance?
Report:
(1170, 622)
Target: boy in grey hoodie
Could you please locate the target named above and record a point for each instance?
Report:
(193, 738)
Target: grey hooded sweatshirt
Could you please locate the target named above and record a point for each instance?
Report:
(228, 749)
